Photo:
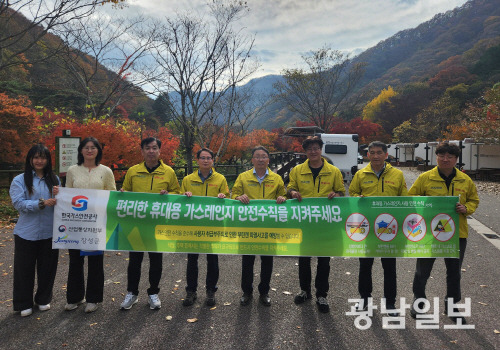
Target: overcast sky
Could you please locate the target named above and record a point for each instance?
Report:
(286, 29)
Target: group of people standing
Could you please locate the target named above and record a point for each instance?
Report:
(33, 195)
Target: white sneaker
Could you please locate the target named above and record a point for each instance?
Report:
(91, 307)
(129, 301)
(26, 312)
(70, 307)
(44, 307)
(154, 302)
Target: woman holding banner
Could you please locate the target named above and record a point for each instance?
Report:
(32, 194)
(88, 174)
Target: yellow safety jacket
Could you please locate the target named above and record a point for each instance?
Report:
(271, 187)
(216, 183)
(138, 179)
(390, 183)
(431, 183)
(329, 179)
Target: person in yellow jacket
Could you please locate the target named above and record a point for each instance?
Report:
(378, 178)
(208, 183)
(445, 180)
(315, 178)
(151, 176)
(258, 183)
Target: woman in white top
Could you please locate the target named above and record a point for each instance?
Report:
(91, 175)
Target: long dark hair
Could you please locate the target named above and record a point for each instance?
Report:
(50, 178)
(96, 144)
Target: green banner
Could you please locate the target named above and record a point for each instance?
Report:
(348, 226)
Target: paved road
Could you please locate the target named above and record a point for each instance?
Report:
(284, 325)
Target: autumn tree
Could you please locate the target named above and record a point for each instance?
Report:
(120, 138)
(19, 128)
(406, 132)
(372, 109)
(199, 60)
(483, 118)
(367, 130)
(410, 100)
(318, 91)
(433, 121)
(452, 72)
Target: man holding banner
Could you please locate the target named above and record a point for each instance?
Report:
(315, 178)
(445, 180)
(258, 183)
(378, 178)
(151, 176)
(205, 182)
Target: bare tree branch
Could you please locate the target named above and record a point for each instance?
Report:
(318, 92)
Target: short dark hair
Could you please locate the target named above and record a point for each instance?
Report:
(260, 148)
(311, 140)
(204, 150)
(96, 144)
(446, 147)
(378, 144)
(148, 140)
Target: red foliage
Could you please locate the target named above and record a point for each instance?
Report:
(452, 72)
(120, 139)
(19, 125)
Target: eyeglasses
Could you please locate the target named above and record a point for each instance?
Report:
(313, 149)
(446, 156)
(261, 158)
(90, 148)
(205, 158)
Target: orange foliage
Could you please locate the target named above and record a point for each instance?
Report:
(367, 130)
(18, 128)
(120, 138)
(458, 132)
(261, 137)
(239, 147)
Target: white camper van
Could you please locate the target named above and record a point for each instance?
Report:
(342, 151)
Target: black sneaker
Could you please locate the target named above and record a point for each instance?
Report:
(302, 297)
(210, 300)
(323, 305)
(189, 299)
